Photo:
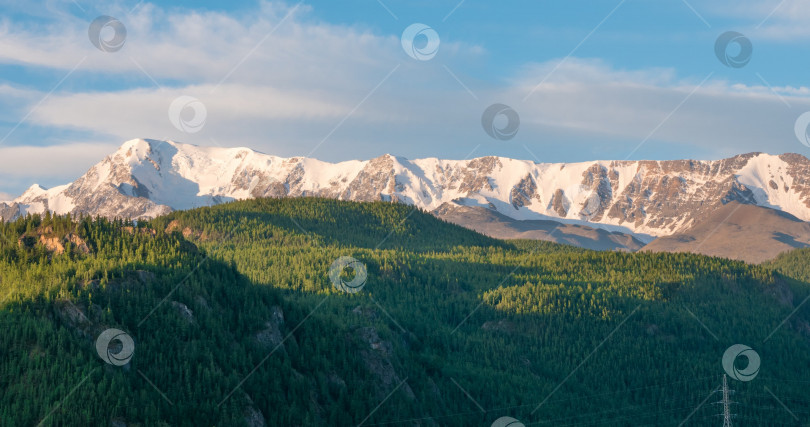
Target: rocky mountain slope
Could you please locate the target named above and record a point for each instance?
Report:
(145, 178)
(739, 231)
(499, 226)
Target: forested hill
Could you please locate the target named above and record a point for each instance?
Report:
(331, 223)
(236, 320)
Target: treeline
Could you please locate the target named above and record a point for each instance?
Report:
(234, 316)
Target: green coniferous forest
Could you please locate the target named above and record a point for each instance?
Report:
(234, 319)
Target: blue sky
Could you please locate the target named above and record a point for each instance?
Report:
(612, 79)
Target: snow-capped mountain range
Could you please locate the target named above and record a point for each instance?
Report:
(145, 178)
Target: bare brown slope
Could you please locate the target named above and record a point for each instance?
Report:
(739, 231)
(500, 226)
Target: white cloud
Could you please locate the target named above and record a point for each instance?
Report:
(146, 110)
(277, 45)
(60, 161)
(291, 86)
(633, 106)
(777, 20)
(582, 100)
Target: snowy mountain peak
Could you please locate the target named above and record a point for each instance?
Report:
(34, 191)
(147, 177)
(139, 145)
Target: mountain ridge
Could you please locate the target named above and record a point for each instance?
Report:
(648, 198)
(493, 224)
(738, 231)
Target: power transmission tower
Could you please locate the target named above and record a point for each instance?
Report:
(726, 403)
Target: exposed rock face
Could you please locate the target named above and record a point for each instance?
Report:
(377, 357)
(254, 417)
(559, 203)
(52, 242)
(9, 211)
(145, 178)
(78, 243)
(271, 337)
(374, 180)
(183, 311)
(74, 318)
(523, 193)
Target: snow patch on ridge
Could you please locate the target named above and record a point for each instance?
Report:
(145, 178)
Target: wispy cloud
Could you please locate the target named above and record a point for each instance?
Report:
(771, 20)
(726, 118)
(55, 161)
(285, 92)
